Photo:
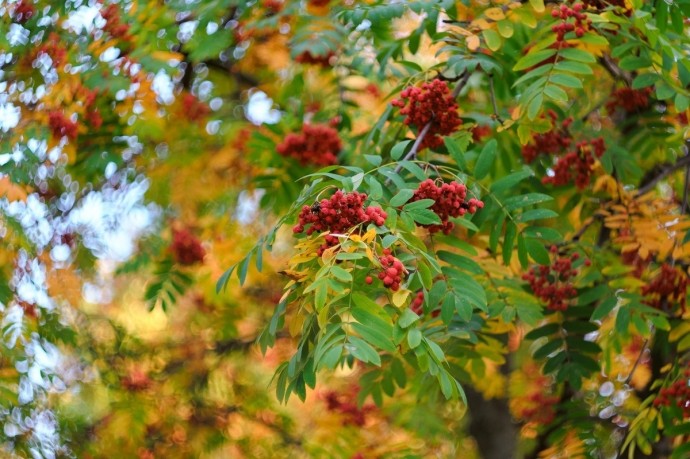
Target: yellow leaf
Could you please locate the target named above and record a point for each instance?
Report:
(537, 5)
(495, 14)
(369, 235)
(481, 23)
(301, 258)
(400, 297)
(370, 255)
(630, 247)
(473, 42)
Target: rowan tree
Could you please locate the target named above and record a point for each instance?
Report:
(345, 229)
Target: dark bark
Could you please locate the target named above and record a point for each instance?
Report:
(492, 426)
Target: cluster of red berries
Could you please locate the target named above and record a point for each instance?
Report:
(417, 305)
(186, 248)
(392, 270)
(667, 290)
(480, 132)
(61, 126)
(577, 164)
(630, 100)
(23, 11)
(553, 284)
(538, 405)
(346, 406)
(324, 60)
(449, 201)
(113, 23)
(432, 103)
(579, 26)
(317, 144)
(552, 142)
(632, 258)
(678, 393)
(338, 214)
(194, 109)
(539, 409)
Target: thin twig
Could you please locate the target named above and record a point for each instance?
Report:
(417, 142)
(493, 98)
(638, 360)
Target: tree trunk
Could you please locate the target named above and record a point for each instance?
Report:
(492, 426)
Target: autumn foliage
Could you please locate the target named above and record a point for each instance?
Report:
(345, 229)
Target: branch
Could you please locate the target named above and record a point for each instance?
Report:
(616, 72)
(665, 172)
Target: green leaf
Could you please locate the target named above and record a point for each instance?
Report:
(457, 150)
(594, 39)
(463, 308)
(517, 202)
(508, 241)
(460, 261)
(485, 160)
(522, 251)
(532, 59)
(361, 350)
(541, 232)
(341, 274)
(376, 336)
(535, 106)
(644, 79)
(401, 197)
(549, 348)
(538, 252)
(544, 330)
(414, 338)
(536, 214)
(509, 181)
(590, 295)
(375, 189)
(466, 223)
(421, 204)
(425, 217)
(223, 280)
(574, 67)
(556, 93)
(399, 148)
(407, 318)
(578, 55)
(564, 79)
(493, 40)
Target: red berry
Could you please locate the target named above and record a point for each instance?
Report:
(368, 280)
